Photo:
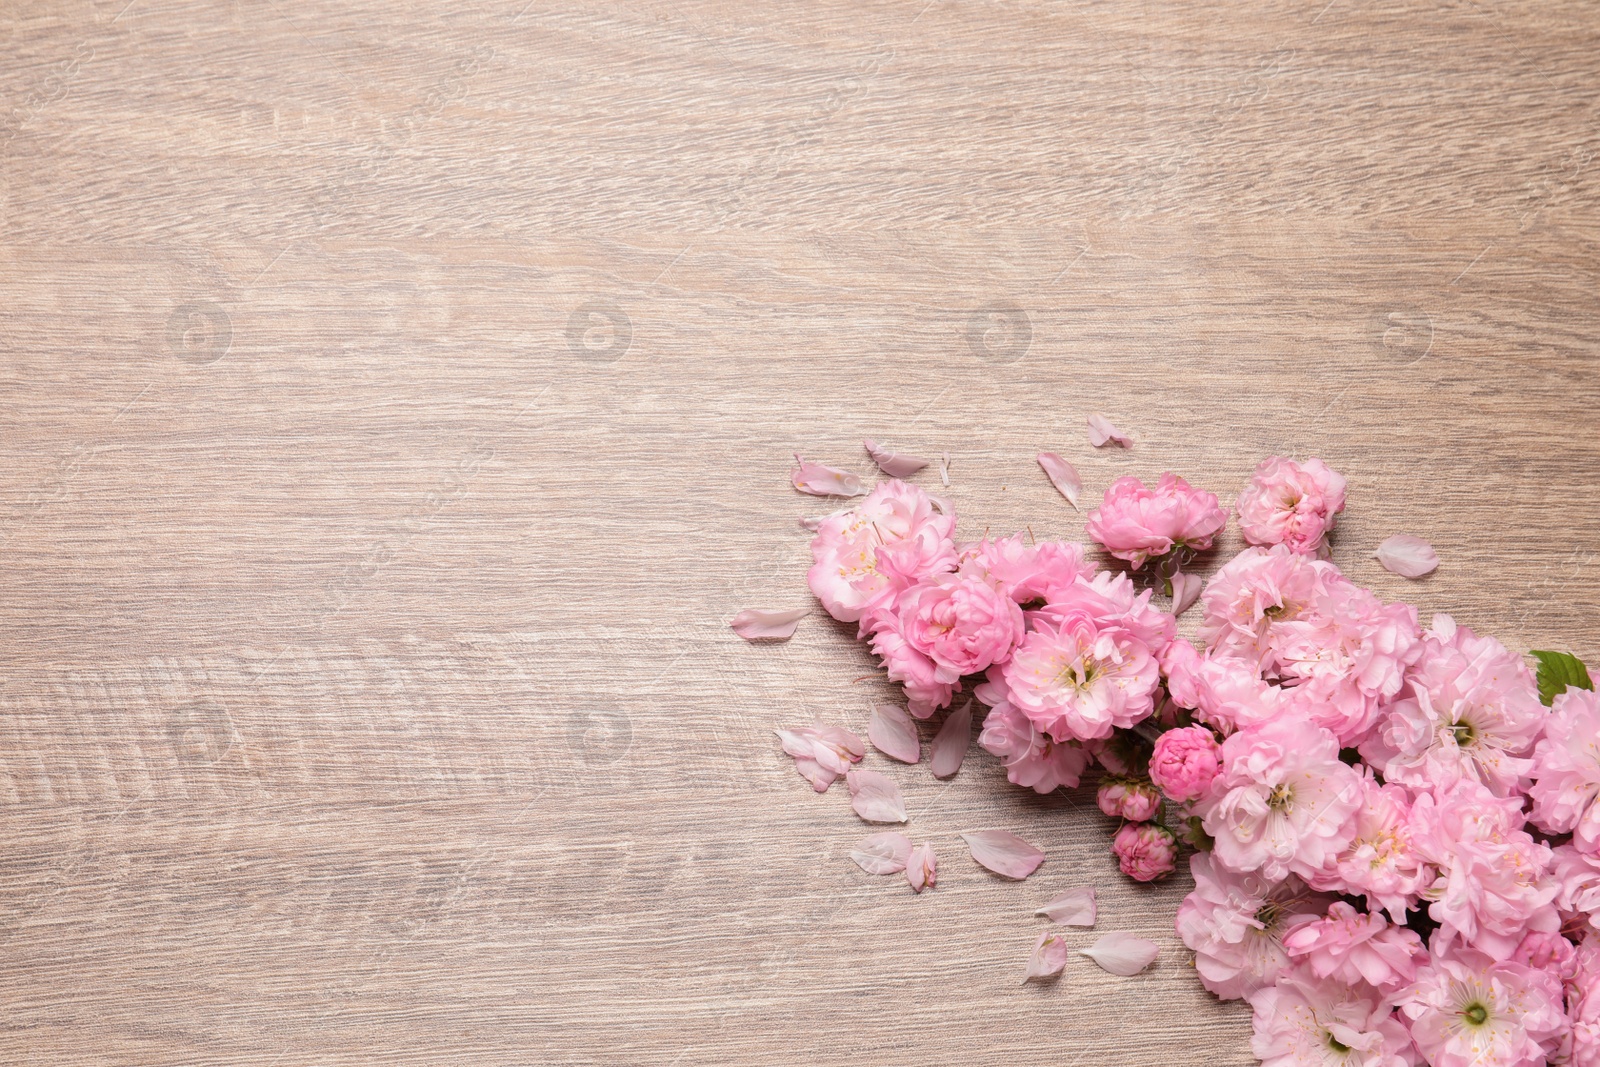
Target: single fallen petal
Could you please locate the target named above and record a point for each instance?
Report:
(753, 624)
(1407, 556)
(875, 797)
(1049, 956)
(1101, 432)
(1064, 476)
(922, 868)
(819, 480)
(950, 744)
(944, 469)
(1003, 852)
(893, 733)
(884, 853)
(1185, 591)
(894, 464)
(1075, 907)
(1122, 953)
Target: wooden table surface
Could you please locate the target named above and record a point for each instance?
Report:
(398, 400)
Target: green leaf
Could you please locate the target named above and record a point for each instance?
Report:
(1559, 671)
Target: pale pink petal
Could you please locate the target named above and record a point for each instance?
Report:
(1185, 591)
(922, 868)
(812, 525)
(894, 464)
(885, 853)
(893, 733)
(797, 743)
(818, 480)
(1064, 476)
(835, 748)
(944, 469)
(814, 773)
(1407, 556)
(875, 797)
(1003, 852)
(1049, 956)
(1101, 432)
(1075, 907)
(1122, 953)
(753, 624)
(950, 744)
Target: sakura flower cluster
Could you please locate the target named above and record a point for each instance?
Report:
(1394, 829)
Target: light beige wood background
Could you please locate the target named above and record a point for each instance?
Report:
(398, 400)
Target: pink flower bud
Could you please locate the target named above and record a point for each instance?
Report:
(1124, 799)
(1185, 762)
(1145, 851)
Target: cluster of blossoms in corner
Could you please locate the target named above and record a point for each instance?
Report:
(1395, 840)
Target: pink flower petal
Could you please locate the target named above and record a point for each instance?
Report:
(875, 797)
(1049, 956)
(813, 772)
(1003, 852)
(818, 480)
(1185, 591)
(1064, 476)
(894, 464)
(922, 868)
(950, 744)
(884, 853)
(821, 754)
(1407, 556)
(1101, 432)
(893, 733)
(1122, 953)
(1075, 907)
(753, 624)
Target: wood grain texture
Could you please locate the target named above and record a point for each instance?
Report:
(397, 402)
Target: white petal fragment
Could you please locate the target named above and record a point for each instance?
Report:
(1407, 556)
(893, 732)
(884, 853)
(753, 624)
(1003, 852)
(894, 464)
(1075, 907)
(1064, 476)
(875, 797)
(1102, 433)
(950, 744)
(1122, 953)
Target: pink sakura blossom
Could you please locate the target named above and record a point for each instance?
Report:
(822, 754)
(1470, 709)
(1284, 801)
(867, 555)
(1224, 691)
(1493, 883)
(1577, 878)
(1030, 574)
(1032, 759)
(1583, 1005)
(1469, 1010)
(1235, 925)
(1545, 951)
(1291, 504)
(1306, 1022)
(1145, 851)
(1122, 798)
(1257, 591)
(1355, 947)
(1566, 770)
(926, 687)
(963, 625)
(1088, 662)
(1380, 861)
(1185, 762)
(1137, 523)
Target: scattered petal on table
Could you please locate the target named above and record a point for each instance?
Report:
(875, 797)
(818, 480)
(1075, 907)
(884, 853)
(950, 744)
(1407, 556)
(894, 464)
(922, 869)
(1102, 433)
(1049, 956)
(1064, 476)
(893, 732)
(753, 624)
(1185, 591)
(1003, 852)
(1122, 953)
